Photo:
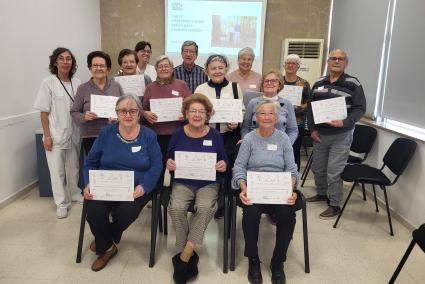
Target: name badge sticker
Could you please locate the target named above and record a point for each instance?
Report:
(175, 93)
(253, 86)
(271, 147)
(136, 149)
(207, 143)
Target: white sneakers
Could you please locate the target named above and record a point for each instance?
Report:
(77, 197)
(61, 212)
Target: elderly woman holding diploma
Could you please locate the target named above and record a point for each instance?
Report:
(266, 149)
(198, 137)
(124, 146)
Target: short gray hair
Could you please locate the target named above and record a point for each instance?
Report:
(190, 43)
(162, 58)
(266, 102)
(294, 57)
(246, 51)
(133, 98)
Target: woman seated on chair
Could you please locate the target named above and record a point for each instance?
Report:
(125, 146)
(265, 149)
(195, 136)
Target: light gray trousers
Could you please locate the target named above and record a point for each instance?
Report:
(205, 207)
(329, 159)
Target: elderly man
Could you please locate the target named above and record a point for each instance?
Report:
(291, 66)
(189, 72)
(332, 140)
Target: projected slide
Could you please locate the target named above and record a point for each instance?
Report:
(217, 26)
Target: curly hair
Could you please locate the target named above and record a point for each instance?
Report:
(54, 57)
(201, 99)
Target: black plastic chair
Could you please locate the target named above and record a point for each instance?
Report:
(363, 139)
(163, 223)
(418, 238)
(396, 159)
(154, 228)
(299, 205)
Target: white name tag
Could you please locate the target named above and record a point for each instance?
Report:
(136, 149)
(320, 88)
(207, 142)
(175, 93)
(253, 86)
(271, 147)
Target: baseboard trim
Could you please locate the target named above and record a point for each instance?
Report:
(18, 194)
(394, 214)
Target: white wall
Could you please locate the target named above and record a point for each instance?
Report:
(407, 196)
(29, 31)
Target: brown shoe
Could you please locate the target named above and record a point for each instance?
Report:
(317, 198)
(330, 213)
(93, 246)
(103, 259)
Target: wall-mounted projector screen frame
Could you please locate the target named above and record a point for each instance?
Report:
(217, 26)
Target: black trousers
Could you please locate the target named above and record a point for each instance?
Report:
(87, 144)
(124, 213)
(163, 141)
(297, 147)
(285, 216)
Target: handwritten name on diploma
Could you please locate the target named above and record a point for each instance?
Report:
(111, 185)
(269, 187)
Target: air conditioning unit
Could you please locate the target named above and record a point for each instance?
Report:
(311, 53)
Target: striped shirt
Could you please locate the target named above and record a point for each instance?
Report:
(346, 86)
(193, 78)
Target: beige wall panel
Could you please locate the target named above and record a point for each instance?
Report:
(126, 22)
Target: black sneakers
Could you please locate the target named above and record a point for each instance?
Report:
(330, 213)
(278, 276)
(254, 271)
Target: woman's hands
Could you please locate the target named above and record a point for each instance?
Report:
(171, 165)
(88, 115)
(221, 166)
(232, 125)
(86, 193)
(150, 116)
(138, 191)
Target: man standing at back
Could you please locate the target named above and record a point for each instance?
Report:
(188, 71)
(332, 140)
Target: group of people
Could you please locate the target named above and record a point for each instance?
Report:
(267, 140)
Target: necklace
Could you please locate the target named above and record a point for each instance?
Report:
(196, 134)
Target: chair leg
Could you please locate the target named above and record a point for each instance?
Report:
(376, 200)
(307, 169)
(345, 204)
(82, 227)
(364, 192)
(160, 219)
(306, 166)
(403, 260)
(154, 227)
(225, 235)
(305, 237)
(388, 210)
(233, 234)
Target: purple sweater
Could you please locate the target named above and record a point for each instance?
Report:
(82, 104)
(181, 142)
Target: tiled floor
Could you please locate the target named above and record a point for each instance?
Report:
(35, 247)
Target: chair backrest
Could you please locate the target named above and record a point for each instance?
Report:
(399, 155)
(363, 138)
(249, 95)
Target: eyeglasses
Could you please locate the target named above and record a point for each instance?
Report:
(291, 63)
(197, 111)
(164, 67)
(187, 51)
(99, 66)
(64, 59)
(333, 58)
(264, 114)
(146, 51)
(271, 81)
(123, 112)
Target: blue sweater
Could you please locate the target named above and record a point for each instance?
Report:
(110, 152)
(181, 142)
